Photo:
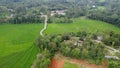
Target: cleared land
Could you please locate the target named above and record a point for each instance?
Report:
(60, 61)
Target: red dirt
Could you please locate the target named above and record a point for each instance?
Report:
(59, 60)
(56, 63)
(87, 64)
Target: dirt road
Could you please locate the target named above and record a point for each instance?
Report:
(45, 24)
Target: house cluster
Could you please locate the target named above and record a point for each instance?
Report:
(93, 6)
(99, 39)
(59, 12)
(112, 57)
(75, 41)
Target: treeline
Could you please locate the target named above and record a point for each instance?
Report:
(34, 19)
(77, 8)
(22, 19)
(112, 18)
(61, 19)
(47, 48)
(111, 39)
(110, 14)
(25, 19)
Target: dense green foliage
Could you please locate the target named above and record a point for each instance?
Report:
(112, 39)
(113, 64)
(87, 50)
(47, 48)
(44, 59)
(112, 18)
(28, 11)
(59, 20)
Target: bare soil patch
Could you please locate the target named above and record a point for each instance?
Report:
(59, 60)
(56, 63)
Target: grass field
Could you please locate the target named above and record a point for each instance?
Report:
(15, 38)
(16, 45)
(102, 0)
(22, 59)
(80, 25)
(16, 41)
(70, 65)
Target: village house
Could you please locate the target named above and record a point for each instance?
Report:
(99, 39)
(59, 12)
(112, 57)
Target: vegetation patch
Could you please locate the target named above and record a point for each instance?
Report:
(70, 65)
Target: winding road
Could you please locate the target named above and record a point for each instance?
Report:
(45, 24)
(41, 33)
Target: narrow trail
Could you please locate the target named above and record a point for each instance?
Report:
(36, 61)
(45, 25)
